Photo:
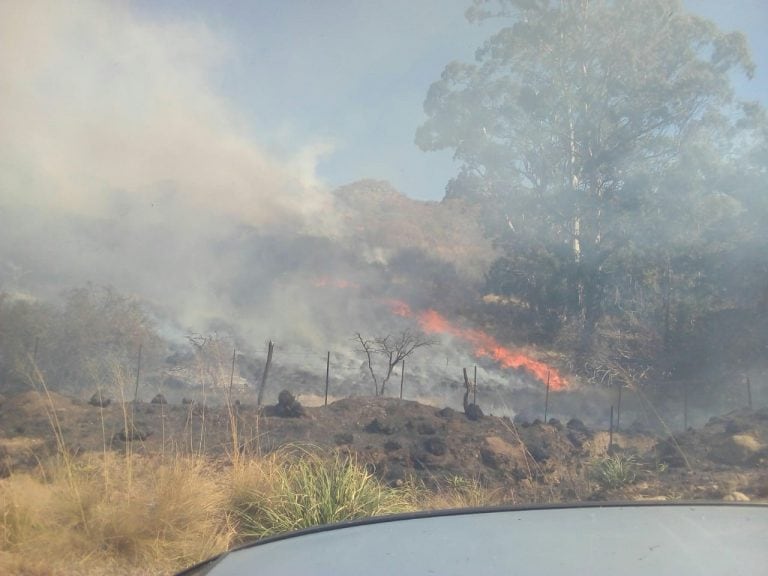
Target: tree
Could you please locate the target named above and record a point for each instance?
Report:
(23, 323)
(572, 118)
(394, 349)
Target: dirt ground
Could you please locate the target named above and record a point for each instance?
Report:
(403, 441)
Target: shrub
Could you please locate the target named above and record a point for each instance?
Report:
(614, 471)
(290, 491)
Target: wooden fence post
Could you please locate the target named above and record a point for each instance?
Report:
(327, 375)
(270, 349)
(138, 371)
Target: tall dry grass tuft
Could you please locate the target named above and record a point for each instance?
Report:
(459, 492)
(100, 512)
(174, 515)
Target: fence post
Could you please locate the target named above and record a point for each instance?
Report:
(232, 375)
(327, 375)
(270, 349)
(610, 433)
(138, 371)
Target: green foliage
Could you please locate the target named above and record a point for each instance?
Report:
(23, 322)
(614, 165)
(614, 471)
(311, 490)
(77, 342)
(538, 278)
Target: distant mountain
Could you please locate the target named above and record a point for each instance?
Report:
(382, 221)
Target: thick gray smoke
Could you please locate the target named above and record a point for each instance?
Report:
(121, 165)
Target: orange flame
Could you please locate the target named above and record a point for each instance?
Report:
(485, 345)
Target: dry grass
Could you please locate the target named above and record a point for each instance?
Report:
(73, 520)
(461, 492)
(103, 514)
(122, 513)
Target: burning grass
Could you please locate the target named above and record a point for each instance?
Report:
(484, 345)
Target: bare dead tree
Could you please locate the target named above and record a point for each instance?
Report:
(395, 349)
(369, 347)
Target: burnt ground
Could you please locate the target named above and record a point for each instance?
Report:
(402, 440)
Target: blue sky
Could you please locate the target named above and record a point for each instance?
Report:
(106, 99)
(354, 75)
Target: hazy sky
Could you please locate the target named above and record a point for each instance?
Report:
(351, 76)
(242, 94)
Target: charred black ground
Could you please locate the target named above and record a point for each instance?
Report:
(403, 441)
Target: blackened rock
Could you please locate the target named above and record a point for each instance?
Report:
(392, 445)
(421, 460)
(288, 406)
(425, 429)
(576, 424)
(556, 424)
(473, 412)
(670, 453)
(159, 399)
(736, 450)
(435, 446)
(132, 435)
(734, 427)
(395, 475)
(521, 420)
(375, 426)
(343, 438)
(491, 458)
(446, 412)
(577, 438)
(98, 400)
(539, 452)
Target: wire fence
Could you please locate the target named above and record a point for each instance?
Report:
(436, 375)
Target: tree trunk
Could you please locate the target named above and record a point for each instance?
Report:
(667, 304)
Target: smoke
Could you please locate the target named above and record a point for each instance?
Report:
(121, 164)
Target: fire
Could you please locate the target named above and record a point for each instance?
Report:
(485, 345)
(341, 283)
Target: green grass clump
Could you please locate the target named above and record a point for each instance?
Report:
(615, 471)
(291, 491)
